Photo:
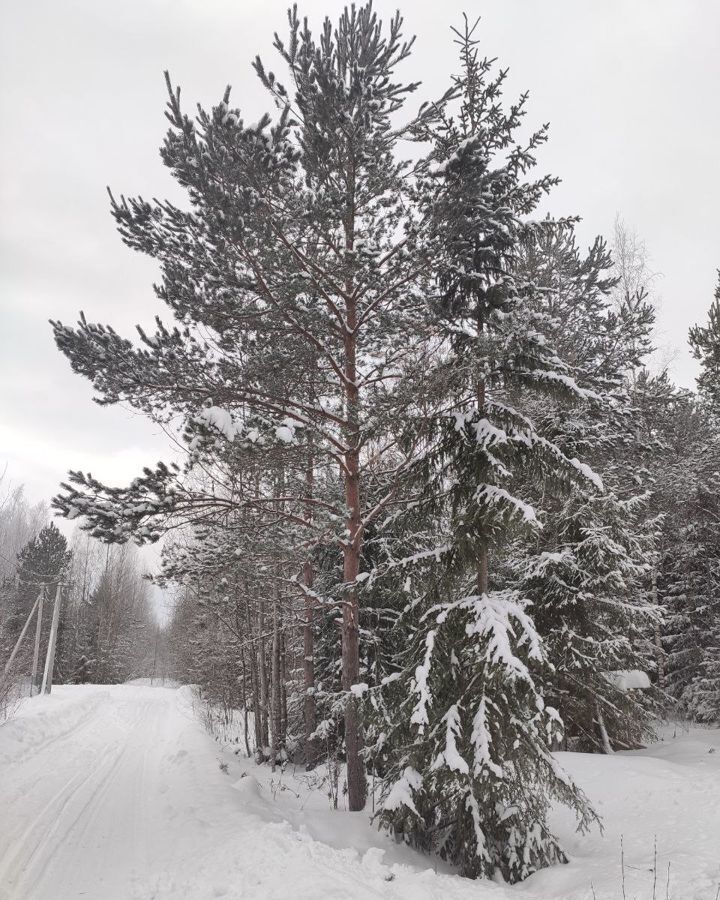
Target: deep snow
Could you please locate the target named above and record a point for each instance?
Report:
(117, 793)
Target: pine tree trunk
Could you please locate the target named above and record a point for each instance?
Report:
(257, 713)
(275, 726)
(245, 702)
(660, 657)
(309, 706)
(254, 679)
(263, 675)
(283, 688)
(357, 786)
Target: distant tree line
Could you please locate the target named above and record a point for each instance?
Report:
(107, 632)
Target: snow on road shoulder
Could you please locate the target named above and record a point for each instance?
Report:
(40, 720)
(667, 796)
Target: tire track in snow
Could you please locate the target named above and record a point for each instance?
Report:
(72, 734)
(65, 819)
(49, 830)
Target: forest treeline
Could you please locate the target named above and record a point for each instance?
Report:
(435, 516)
(107, 630)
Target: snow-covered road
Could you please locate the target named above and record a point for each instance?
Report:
(116, 793)
(92, 794)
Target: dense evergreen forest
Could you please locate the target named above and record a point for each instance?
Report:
(438, 512)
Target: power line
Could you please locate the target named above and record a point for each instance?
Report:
(44, 575)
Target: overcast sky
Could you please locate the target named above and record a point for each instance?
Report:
(630, 88)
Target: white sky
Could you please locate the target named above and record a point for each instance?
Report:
(630, 88)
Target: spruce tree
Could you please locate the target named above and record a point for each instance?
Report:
(463, 734)
(689, 582)
(691, 570)
(705, 345)
(42, 562)
(683, 467)
(44, 559)
(587, 572)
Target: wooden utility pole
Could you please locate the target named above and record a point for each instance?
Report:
(50, 658)
(9, 663)
(36, 653)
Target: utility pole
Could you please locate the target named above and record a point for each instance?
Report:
(36, 654)
(9, 663)
(50, 658)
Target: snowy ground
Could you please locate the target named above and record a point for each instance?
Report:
(117, 793)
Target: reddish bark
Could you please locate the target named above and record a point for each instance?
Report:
(357, 787)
